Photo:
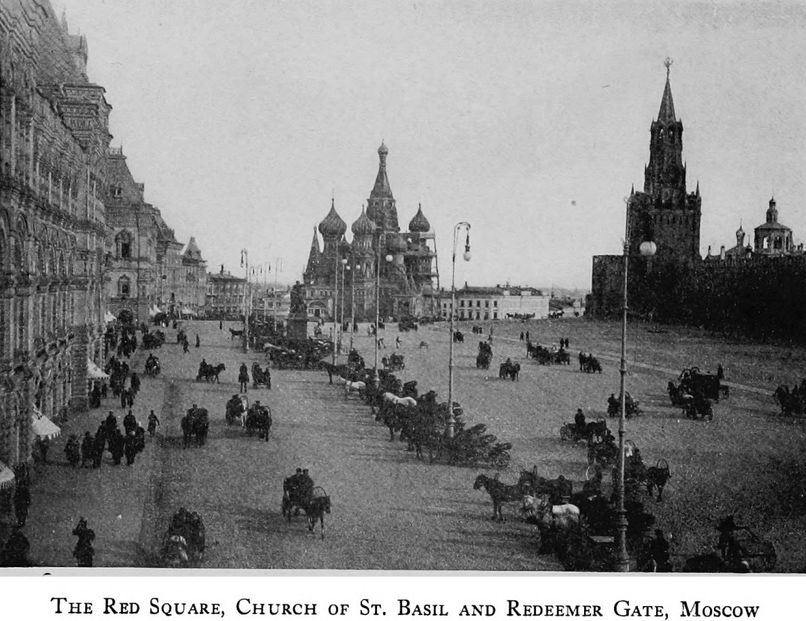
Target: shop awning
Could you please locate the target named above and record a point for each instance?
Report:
(109, 317)
(6, 476)
(44, 427)
(94, 371)
(188, 311)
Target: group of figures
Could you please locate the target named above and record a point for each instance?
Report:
(255, 418)
(791, 401)
(300, 494)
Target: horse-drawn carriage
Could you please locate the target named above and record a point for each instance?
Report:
(210, 372)
(792, 402)
(153, 340)
(544, 355)
(183, 544)
(588, 363)
(258, 420)
(694, 382)
(484, 356)
(393, 363)
(631, 406)
(637, 474)
(236, 409)
(260, 377)
(591, 431)
(740, 550)
(407, 323)
(299, 493)
(195, 425)
(458, 337)
(474, 445)
(509, 370)
(152, 366)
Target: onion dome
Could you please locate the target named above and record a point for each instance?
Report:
(382, 150)
(363, 227)
(396, 244)
(332, 225)
(419, 223)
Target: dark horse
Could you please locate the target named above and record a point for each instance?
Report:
(315, 505)
(210, 373)
(234, 333)
(499, 493)
(195, 424)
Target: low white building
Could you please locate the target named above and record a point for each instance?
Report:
(499, 302)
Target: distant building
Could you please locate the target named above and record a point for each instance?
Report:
(225, 295)
(499, 302)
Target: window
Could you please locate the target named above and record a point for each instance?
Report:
(124, 285)
(461, 302)
(495, 315)
(486, 303)
(778, 243)
(123, 245)
(478, 305)
(495, 303)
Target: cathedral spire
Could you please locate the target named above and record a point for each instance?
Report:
(666, 112)
(382, 188)
(313, 255)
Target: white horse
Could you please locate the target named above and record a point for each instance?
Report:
(354, 386)
(540, 510)
(409, 402)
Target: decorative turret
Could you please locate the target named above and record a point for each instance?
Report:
(740, 236)
(665, 175)
(772, 212)
(381, 204)
(419, 223)
(332, 227)
(363, 227)
(313, 257)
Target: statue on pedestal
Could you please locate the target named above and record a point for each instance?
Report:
(298, 306)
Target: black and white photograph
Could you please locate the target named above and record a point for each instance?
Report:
(403, 286)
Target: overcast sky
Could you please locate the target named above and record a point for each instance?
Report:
(530, 120)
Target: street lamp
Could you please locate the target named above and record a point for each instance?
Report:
(341, 304)
(349, 268)
(466, 256)
(376, 380)
(245, 265)
(647, 249)
(336, 303)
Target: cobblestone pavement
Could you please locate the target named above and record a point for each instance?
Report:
(391, 511)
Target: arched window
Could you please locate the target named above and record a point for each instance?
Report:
(765, 243)
(778, 243)
(123, 245)
(124, 287)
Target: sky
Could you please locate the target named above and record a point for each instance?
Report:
(529, 120)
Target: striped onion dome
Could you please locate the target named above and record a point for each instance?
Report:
(419, 223)
(363, 227)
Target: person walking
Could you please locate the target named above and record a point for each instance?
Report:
(43, 444)
(397, 342)
(220, 325)
(22, 500)
(87, 449)
(153, 423)
(243, 377)
(185, 346)
(198, 341)
(83, 551)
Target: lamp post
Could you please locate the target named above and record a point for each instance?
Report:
(278, 265)
(466, 256)
(376, 380)
(245, 265)
(352, 303)
(336, 303)
(341, 302)
(646, 249)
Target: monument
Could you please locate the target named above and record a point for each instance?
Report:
(297, 328)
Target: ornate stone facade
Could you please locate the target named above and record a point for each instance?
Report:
(409, 279)
(53, 141)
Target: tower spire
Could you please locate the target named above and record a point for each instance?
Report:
(666, 112)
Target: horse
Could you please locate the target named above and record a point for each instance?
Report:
(395, 400)
(258, 418)
(234, 333)
(544, 513)
(499, 493)
(509, 370)
(195, 424)
(210, 372)
(351, 387)
(657, 477)
(315, 509)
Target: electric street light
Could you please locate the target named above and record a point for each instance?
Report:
(341, 302)
(335, 303)
(376, 380)
(466, 256)
(245, 265)
(352, 303)
(647, 249)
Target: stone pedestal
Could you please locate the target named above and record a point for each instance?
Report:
(297, 327)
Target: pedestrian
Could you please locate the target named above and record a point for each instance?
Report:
(129, 398)
(381, 344)
(72, 450)
(104, 390)
(521, 335)
(130, 448)
(98, 448)
(185, 346)
(135, 383)
(84, 552)
(153, 422)
(720, 372)
(220, 325)
(22, 500)
(86, 449)
(397, 342)
(243, 377)
(527, 335)
(267, 376)
(116, 447)
(43, 444)
(124, 398)
(198, 342)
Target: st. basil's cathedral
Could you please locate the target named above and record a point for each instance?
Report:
(409, 278)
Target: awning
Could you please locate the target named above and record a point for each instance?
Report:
(6, 476)
(94, 371)
(43, 426)
(109, 317)
(188, 311)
